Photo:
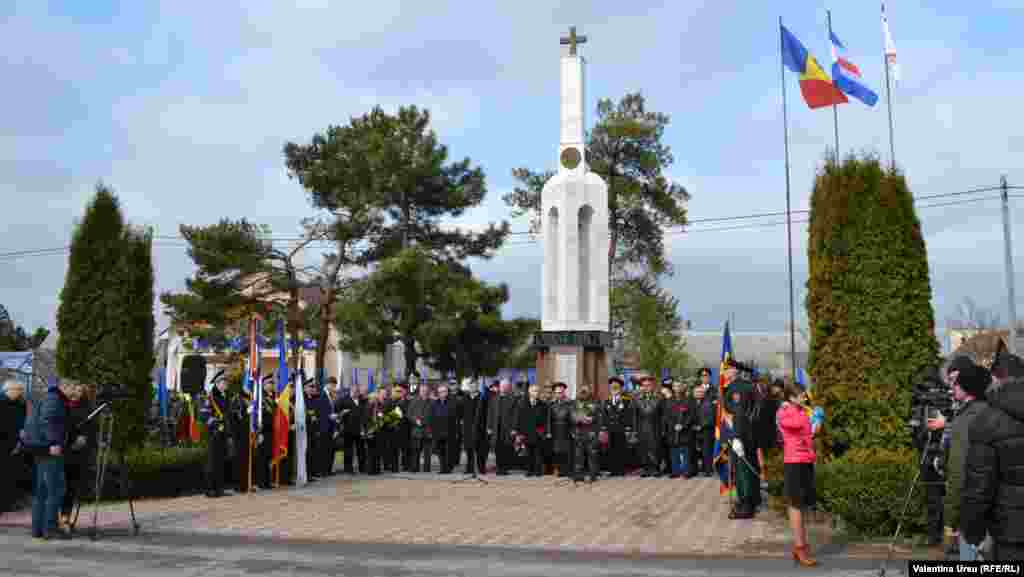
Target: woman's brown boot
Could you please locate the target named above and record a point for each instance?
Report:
(802, 556)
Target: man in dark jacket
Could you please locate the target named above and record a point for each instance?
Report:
(265, 441)
(992, 498)
(502, 423)
(472, 410)
(353, 417)
(647, 416)
(44, 436)
(443, 427)
(617, 422)
(677, 424)
(421, 433)
(533, 422)
(702, 440)
(560, 430)
(216, 413)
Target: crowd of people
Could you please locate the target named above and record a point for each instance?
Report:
(46, 450)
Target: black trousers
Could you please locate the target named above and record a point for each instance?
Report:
(563, 459)
(261, 464)
(476, 459)
(443, 447)
(328, 450)
(504, 454)
(535, 459)
(216, 452)
(649, 454)
(74, 477)
(355, 448)
(617, 454)
(421, 451)
(585, 452)
(374, 455)
(934, 491)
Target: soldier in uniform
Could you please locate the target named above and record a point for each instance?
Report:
(560, 429)
(420, 436)
(533, 422)
(740, 404)
(501, 425)
(313, 436)
(586, 417)
(216, 414)
(617, 422)
(647, 416)
(265, 441)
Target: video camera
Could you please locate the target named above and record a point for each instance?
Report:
(930, 397)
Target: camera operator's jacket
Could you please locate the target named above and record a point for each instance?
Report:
(993, 487)
(956, 459)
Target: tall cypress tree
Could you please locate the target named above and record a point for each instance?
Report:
(868, 302)
(105, 319)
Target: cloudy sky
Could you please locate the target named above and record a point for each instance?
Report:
(183, 107)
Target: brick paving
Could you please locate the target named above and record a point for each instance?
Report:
(615, 515)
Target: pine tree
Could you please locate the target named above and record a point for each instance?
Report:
(105, 319)
(868, 302)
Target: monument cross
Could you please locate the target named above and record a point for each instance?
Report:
(573, 40)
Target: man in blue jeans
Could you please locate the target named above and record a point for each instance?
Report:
(43, 436)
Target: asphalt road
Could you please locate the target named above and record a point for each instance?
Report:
(177, 555)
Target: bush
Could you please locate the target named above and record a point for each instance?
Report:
(866, 489)
(153, 472)
(868, 302)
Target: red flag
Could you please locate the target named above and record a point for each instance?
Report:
(281, 425)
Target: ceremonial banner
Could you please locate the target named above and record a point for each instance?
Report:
(279, 450)
(816, 87)
(300, 428)
(722, 429)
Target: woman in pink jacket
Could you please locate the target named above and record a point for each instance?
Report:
(797, 426)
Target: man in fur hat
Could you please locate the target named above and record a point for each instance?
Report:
(617, 422)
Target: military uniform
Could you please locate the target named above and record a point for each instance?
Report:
(741, 404)
(561, 428)
(216, 414)
(585, 438)
(647, 416)
(265, 446)
(617, 421)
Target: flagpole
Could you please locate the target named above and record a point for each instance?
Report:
(789, 223)
(888, 101)
(835, 107)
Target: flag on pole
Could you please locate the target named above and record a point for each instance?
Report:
(279, 450)
(890, 47)
(723, 432)
(370, 384)
(300, 428)
(847, 75)
(816, 87)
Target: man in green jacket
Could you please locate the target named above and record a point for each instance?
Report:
(969, 382)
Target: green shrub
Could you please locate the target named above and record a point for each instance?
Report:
(867, 489)
(153, 472)
(868, 302)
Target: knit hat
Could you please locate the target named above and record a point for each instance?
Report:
(974, 380)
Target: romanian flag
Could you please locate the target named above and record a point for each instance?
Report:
(815, 85)
(723, 432)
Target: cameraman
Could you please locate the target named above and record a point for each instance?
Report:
(969, 382)
(929, 442)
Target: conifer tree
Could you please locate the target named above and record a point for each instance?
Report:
(868, 302)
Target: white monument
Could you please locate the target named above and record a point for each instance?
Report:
(574, 219)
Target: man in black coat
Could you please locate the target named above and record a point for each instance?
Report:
(616, 420)
(992, 496)
(265, 442)
(472, 412)
(533, 422)
(502, 423)
(560, 430)
(352, 411)
(444, 426)
(647, 416)
(420, 437)
(702, 437)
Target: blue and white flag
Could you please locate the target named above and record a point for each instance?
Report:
(846, 75)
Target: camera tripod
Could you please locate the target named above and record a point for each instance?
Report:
(105, 436)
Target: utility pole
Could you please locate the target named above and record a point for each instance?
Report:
(1010, 293)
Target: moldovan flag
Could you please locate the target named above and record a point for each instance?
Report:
(723, 433)
(815, 85)
(279, 449)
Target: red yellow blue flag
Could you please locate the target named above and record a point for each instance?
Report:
(816, 87)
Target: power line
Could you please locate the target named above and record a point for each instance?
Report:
(178, 242)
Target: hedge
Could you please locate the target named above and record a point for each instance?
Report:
(154, 472)
(866, 490)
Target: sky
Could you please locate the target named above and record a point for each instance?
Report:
(183, 108)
